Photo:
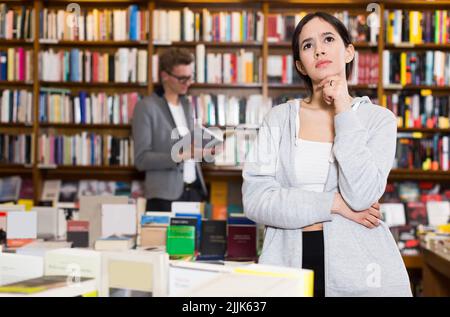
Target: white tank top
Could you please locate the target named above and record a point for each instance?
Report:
(312, 164)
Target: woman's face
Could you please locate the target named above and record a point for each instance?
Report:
(322, 51)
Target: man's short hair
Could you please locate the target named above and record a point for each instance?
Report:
(173, 57)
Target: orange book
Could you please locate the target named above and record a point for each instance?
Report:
(219, 212)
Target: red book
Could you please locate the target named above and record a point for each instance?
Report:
(78, 233)
(416, 212)
(241, 243)
(21, 55)
(234, 68)
(272, 33)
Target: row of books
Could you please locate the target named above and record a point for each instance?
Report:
(417, 27)
(68, 191)
(41, 269)
(417, 111)
(16, 22)
(280, 69)
(87, 108)
(85, 149)
(14, 188)
(416, 68)
(422, 151)
(228, 68)
(16, 64)
(16, 106)
(123, 66)
(407, 207)
(223, 110)
(281, 27)
(95, 24)
(16, 148)
(187, 25)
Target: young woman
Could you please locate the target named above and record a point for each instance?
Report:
(318, 168)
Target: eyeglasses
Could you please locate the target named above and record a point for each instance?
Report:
(181, 79)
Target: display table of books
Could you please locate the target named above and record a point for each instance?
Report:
(436, 265)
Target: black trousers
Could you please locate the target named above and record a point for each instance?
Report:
(191, 192)
(313, 258)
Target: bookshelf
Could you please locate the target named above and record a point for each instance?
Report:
(264, 48)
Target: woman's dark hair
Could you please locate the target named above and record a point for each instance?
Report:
(340, 28)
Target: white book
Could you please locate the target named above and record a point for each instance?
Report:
(51, 222)
(438, 212)
(200, 63)
(188, 25)
(163, 26)
(155, 67)
(21, 225)
(386, 67)
(132, 62)
(135, 273)
(207, 26)
(142, 66)
(393, 214)
(243, 285)
(91, 210)
(74, 262)
(71, 289)
(118, 219)
(16, 267)
(40, 248)
(445, 152)
(236, 26)
(174, 17)
(221, 110)
(227, 68)
(185, 276)
(187, 207)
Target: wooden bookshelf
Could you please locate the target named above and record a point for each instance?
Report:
(266, 88)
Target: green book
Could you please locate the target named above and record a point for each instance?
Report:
(180, 240)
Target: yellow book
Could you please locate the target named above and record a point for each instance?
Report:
(390, 27)
(96, 26)
(443, 122)
(415, 27)
(407, 112)
(306, 277)
(106, 67)
(57, 109)
(249, 72)
(384, 101)
(403, 57)
(407, 118)
(28, 203)
(11, 64)
(400, 122)
(443, 26)
(219, 193)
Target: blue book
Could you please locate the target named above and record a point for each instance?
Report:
(42, 106)
(92, 149)
(228, 28)
(74, 74)
(67, 66)
(154, 219)
(3, 66)
(245, 22)
(429, 68)
(133, 23)
(239, 220)
(83, 107)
